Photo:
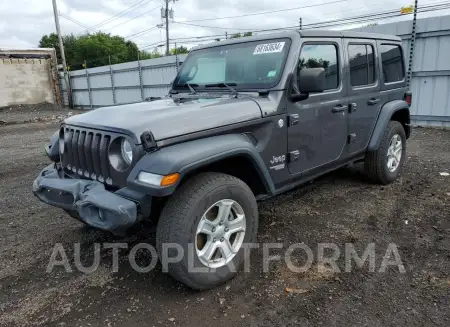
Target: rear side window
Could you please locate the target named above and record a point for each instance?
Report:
(392, 63)
(321, 56)
(362, 64)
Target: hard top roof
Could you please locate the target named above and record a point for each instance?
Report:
(303, 33)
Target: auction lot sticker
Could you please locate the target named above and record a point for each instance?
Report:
(269, 48)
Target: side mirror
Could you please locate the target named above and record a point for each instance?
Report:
(309, 80)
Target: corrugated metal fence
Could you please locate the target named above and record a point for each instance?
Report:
(431, 67)
(122, 83)
(135, 81)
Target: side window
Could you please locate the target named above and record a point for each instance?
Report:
(392, 63)
(321, 55)
(362, 64)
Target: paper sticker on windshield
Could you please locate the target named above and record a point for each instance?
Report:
(272, 73)
(269, 48)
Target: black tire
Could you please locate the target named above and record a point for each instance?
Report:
(375, 163)
(181, 215)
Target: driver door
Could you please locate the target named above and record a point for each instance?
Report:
(317, 130)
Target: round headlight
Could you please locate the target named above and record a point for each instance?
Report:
(127, 151)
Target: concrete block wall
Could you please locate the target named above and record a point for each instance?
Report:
(25, 81)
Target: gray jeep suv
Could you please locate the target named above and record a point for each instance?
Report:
(245, 119)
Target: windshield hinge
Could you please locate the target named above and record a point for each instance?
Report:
(148, 142)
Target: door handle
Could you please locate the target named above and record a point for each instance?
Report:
(373, 101)
(338, 108)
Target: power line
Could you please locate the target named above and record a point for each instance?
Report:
(141, 32)
(312, 24)
(343, 21)
(268, 12)
(219, 27)
(379, 15)
(132, 19)
(160, 43)
(73, 20)
(126, 11)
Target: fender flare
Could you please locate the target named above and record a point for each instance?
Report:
(386, 113)
(186, 157)
(52, 149)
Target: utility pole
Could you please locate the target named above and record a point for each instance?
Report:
(167, 27)
(61, 49)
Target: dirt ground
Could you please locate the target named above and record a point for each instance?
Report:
(44, 113)
(342, 207)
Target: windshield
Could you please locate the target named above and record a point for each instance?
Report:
(248, 65)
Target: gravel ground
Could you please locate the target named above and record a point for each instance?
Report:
(340, 208)
(23, 114)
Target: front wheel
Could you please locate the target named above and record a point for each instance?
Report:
(385, 164)
(209, 218)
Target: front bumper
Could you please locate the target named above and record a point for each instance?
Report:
(95, 205)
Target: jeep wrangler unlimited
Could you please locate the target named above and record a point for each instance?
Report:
(245, 119)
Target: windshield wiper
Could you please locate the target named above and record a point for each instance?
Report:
(191, 87)
(228, 86)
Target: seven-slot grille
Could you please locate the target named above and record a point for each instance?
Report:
(86, 153)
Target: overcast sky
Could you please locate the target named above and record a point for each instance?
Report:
(23, 22)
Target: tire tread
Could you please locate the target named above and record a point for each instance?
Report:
(374, 163)
(171, 225)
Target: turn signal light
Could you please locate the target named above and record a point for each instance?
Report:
(169, 179)
(158, 180)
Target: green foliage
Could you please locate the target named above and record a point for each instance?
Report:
(238, 35)
(178, 50)
(96, 49)
(313, 63)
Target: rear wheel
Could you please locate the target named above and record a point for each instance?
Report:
(386, 163)
(210, 217)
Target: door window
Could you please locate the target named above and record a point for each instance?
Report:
(362, 64)
(392, 63)
(321, 56)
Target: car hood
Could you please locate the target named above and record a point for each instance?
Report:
(168, 118)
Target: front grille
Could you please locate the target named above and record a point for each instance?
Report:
(86, 154)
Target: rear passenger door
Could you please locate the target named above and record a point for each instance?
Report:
(363, 91)
(392, 80)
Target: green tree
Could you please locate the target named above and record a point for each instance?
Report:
(96, 49)
(238, 35)
(178, 50)
(51, 41)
